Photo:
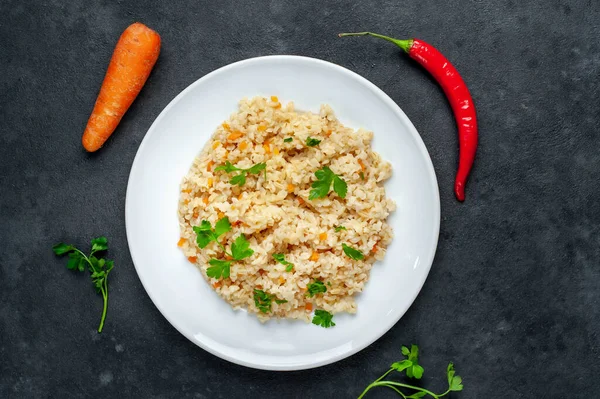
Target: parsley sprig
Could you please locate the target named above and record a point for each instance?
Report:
(413, 369)
(340, 228)
(98, 267)
(240, 179)
(323, 318)
(315, 288)
(240, 248)
(352, 253)
(281, 259)
(263, 300)
(321, 187)
(312, 142)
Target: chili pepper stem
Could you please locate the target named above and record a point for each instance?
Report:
(403, 44)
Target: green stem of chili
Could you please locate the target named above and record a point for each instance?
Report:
(403, 44)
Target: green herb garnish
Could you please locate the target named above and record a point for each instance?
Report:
(413, 369)
(339, 228)
(323, 318)
(362, 176)
(288, 140)
(263, 300)
(98, 267)
(311, 142)
(281, 259)
(315, 288)
(325, 177)
(240, 179)
(352, 253)
(240, 249)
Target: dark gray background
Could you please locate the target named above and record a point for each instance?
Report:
(513, 297)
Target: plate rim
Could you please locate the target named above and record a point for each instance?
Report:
(420, 145)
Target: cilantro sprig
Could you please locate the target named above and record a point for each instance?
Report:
(352, 253)
(98, 267)
(413, 369)
(288, 140)
(281, 259)
(312, 142)
(315, 288)
(240, 179)
(325, 177)
(240, 248)
(340, 228)
(323, 318)
(263, 300)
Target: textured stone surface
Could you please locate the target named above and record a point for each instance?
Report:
(513, 297)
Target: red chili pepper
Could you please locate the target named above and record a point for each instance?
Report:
(457, 93)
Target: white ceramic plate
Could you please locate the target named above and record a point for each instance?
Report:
(176, 286)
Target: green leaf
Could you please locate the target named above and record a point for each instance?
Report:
(339, 228)
(288, 140)
(62, 248)
(315, 288)
(240, 249)
(310, 142)
(417, 395)
(74, 259)
(401, 365)
(256, 169)
(227, 167)
(456, 384)
(323, 318)
(219, 268)
(340, 186)
(99, 244)
(281, 259)
(414, 353)
(417, 371)
(81, 264)
(324, 179)
(262, 300)
(109, 265)
(95, 267)
(353, 254)
(454, 381)
(280, 301)
(405, 351)
(204, 234)
(222, 226)
(238, 180)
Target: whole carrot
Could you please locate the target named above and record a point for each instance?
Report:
(135, 54)
(458, 95)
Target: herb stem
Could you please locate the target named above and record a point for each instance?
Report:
(392, 384)
(384, 375)
(105, 297)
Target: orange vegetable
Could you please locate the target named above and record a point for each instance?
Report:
(314, 257)
(240, 196)
(226, 155)
(205, 200)
(261, 128)
(267, 148)
(189, 190)
(209, 165)
(192, 259)
(275, 150)
(274, 99)
(328, 133)
(181, 242)
(276, 106)
(362, 165)
(243, 145)
(210, 182)
(281, 280)
(234, 135)
(134, 56)
(216, 144)
(217, 284)
(308, 307)
(323, 236)
(220, 214)
(290, 188)
(226, 126)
